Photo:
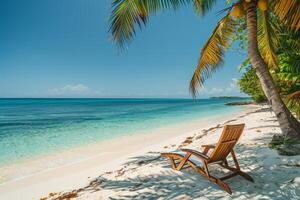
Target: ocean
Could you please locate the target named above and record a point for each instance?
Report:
(30, 127)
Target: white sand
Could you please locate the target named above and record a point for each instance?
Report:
(135, 171)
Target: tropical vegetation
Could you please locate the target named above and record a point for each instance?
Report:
(262, 40)
(286, 77)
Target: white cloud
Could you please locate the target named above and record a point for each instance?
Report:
(230, 89)
(234, 80)
(233, 85)
(73, 90)
(212, 91)
(215, 90)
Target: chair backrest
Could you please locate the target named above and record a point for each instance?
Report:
(229, 137)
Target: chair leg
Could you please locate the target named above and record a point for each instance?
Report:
(236, 170)
(245, 176)
(224, 186)
(183, 161)
(235, 160)
(206, 168)
(172, 163)
(203, 171)
(239, 171)
(225, 162)
(205, 151)
(219, 182)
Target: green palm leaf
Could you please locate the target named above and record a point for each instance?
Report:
(289, 51)
(212, 54)
(268, 40)
(127, 14)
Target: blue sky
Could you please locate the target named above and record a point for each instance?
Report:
(62, 48)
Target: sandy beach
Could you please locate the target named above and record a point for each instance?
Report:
(160, 99)
(130, 167)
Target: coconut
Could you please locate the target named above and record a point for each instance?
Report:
(237, 11)
(263, 4)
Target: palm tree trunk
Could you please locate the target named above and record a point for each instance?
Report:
(289, 125)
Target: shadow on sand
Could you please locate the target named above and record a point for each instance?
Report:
(271, 179)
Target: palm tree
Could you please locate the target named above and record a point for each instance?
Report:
(262, 40)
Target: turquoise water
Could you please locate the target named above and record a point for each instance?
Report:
(31, 127)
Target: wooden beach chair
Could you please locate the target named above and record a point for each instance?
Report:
(224, 147)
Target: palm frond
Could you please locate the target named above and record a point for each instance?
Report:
(203, 6)
(293, 102)
(212, 54)
(290, 63)
(287, 78)
(268, 40)
(294, 63)
(127, 14)
(288, 11)
(245, 64)
(289, 41)
(289, 51)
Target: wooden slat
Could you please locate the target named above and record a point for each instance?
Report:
(228, 139)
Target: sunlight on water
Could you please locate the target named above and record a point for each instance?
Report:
(33, 126)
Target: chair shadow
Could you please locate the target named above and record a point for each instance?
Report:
(271, 179)
(268, 109)
(265, 126)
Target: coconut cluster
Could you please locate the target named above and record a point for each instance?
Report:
(239, 9)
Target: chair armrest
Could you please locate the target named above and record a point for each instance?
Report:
(196, 153)
(207, 147)
(210, 146)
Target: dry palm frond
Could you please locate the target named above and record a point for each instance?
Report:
(212, 54)
(268, 39)
(293, 102)
(288, 11)
(126, 14)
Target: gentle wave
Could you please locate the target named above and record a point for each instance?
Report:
(30, 127)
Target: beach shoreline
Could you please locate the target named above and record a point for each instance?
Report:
(149, 176)
(44, 173)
